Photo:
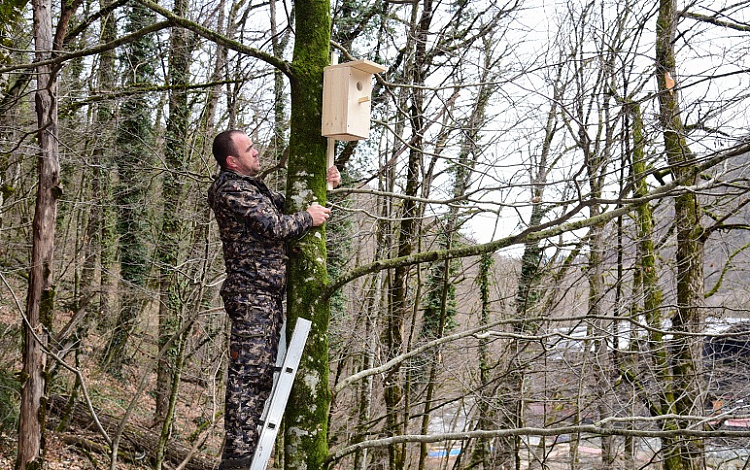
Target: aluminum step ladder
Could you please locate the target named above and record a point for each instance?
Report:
(287, 362)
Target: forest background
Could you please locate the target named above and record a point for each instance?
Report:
(538, 258)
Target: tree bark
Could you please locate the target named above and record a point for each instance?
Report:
(647, 283)
(133, 148)
(306, 437)
(396, 421)
(171, 306)
(40, 298)
(684, 354)
(173, 188)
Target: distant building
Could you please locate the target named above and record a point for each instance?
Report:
(730, 346)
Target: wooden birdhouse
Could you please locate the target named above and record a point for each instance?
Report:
(346, 99)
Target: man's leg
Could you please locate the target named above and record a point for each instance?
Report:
(252, 354)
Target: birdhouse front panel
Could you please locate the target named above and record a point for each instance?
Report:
(346, 102)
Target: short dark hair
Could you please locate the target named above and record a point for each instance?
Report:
(224, 146)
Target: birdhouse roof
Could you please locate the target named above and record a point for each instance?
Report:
(362, 64)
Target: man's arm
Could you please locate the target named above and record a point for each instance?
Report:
(256, 210)
(260, 214)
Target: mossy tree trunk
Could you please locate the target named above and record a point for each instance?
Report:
(133, 147)
(168, 249)
(171, 304)
(307, 413)
(440, 310)
(99, 251)
(646, 283)
(684, 354)
(529, 291)
(482, 453)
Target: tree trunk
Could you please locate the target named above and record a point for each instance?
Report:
(529, 292)
(684, 354)
(98, 251)
(596, 168)
(373, 304)
(40, 298)
(480, 457)
(306, 445)
(441, 305)
(278, 43)
(171, 306)
(168, 249)
(133, 148)
(646, 275)
(396, 422)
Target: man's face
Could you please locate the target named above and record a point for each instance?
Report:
(246, 161)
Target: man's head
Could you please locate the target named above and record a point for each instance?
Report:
(233, 150)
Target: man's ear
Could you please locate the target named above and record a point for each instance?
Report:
(231, 163)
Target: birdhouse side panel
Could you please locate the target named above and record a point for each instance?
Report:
(335, 106)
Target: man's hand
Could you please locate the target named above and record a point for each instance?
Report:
(319, 214)
(333, 176)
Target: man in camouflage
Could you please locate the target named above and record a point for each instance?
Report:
(254, 231)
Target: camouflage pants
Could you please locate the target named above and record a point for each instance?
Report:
(254, 342)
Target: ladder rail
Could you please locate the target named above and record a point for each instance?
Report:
(276, 403)
(280, 355)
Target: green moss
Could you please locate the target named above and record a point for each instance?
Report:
(7, 190)
(307, 414)
(46, 307)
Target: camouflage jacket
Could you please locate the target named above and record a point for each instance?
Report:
(254, 231)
